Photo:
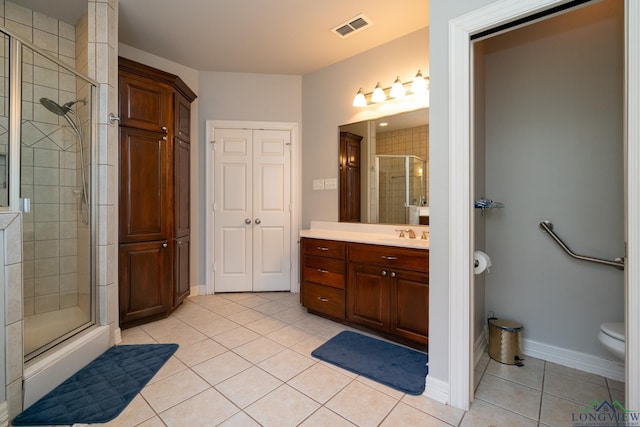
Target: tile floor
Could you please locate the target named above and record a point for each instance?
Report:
(244, 360)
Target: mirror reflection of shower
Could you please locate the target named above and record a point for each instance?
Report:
(66, 111)
(402, 187)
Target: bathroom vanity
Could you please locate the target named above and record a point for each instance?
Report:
(374, 280)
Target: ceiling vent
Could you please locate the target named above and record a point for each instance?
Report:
(352, 26)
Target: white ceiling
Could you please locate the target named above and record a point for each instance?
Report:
(253, 36)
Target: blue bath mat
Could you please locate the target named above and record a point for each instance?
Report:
(100, 391)
(397, 367)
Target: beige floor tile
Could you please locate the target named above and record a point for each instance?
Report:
(511, 396)
(325, 418)
(270, 308)
(531, 374)
(221, 367)
(136, 335)
(361, 405)
(223, 307)
(208, 408)
(275, 296)
(320, 326)
(183, 335)
(202, 319)
(253, 301)
(286, 364)
(248, 386)
(236, 337)
(236, 296)
(573, 388)
(307, 346)
(265, 325)
(290, 299)
(319, 382)
(153, 422)
(216, 327)
(557, 412)
(162, 327)
(283, 407)
(572, 372)
(246, 316)
(240, 420)
(483, 414)
(615, 385)
(446, 413)
(172, 390)
(135, 413)
(199, 352)
(405, 415)
(289, 335)
(171, 367)
(291, 315)
(381, 387)
(258, 350)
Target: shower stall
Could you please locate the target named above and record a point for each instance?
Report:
(46, 156)
(401, 181)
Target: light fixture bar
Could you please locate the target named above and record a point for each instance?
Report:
(418, 86)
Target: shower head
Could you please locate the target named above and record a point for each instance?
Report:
(55, 108)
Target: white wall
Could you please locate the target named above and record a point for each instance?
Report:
(554, 151)
(327, 104)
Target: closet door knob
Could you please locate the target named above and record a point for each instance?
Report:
(247, 221)
(258, 221)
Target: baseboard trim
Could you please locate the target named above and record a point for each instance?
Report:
(437, 390)
(479, 348)
(573, 359)
(198, 290)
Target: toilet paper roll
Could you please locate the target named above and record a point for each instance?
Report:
(482, 262)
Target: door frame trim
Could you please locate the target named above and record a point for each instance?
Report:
(460, 349)
(211, 126)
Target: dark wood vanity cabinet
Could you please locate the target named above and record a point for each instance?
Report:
(349, 174)
(154, 192)
(323, 276)
(383, 288)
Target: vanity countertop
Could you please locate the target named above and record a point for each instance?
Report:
(375, 234)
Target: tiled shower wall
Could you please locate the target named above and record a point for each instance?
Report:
(50, 165)
(411, 141)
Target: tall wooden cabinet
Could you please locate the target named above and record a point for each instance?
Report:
(154, 192)
(349, 159)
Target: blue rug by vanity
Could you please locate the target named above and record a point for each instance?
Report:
(100, 391)
(397, 367)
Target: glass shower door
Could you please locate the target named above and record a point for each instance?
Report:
(55, 170)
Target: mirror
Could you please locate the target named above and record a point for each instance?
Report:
(384, 169)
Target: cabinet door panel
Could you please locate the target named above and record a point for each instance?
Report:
(410, 305)
(368, 296)
(144, 186)
(182, 186)
(144, 281)
(144, 104)
(182, 282)
(183, 118)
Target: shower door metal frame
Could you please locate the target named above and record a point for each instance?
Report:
(14, 150)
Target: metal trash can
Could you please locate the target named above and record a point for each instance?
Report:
(505, 341)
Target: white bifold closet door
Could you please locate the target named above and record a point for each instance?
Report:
(252, 210)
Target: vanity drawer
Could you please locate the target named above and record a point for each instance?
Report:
(326, 248)
(325, 271)
(324, 299)
(411, 259)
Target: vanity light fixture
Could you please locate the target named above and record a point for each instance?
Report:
(419, 85)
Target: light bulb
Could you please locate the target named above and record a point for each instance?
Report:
(419, 84)
(397, 90)
(360, 100)
(378, 94)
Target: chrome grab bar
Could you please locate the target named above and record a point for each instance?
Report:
(548, 227)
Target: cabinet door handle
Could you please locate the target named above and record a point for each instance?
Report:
(393, 274)
(322, 299)
(391, 258)
(164, 138)
(164, 128)
(384, 272)
(164, 245)
(322, 271)
(322, 248)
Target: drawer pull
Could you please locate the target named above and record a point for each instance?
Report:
(393, 274)
(391, 258)
(322, 299)
(384, 273)
(322, 248)
(322, 271)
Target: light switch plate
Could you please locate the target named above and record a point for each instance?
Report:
(318, 184)
(330, 183)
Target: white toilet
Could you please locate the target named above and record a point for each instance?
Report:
(611, 336)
